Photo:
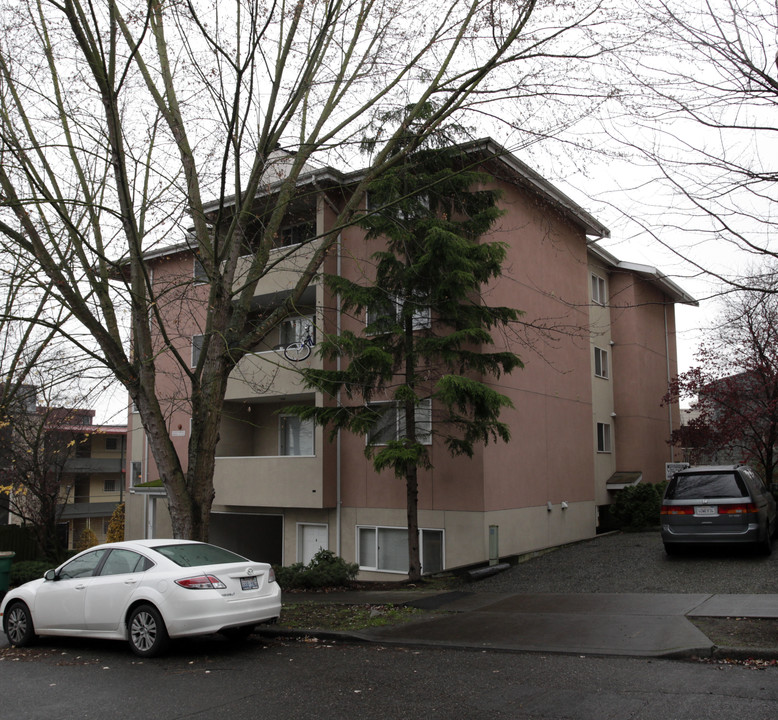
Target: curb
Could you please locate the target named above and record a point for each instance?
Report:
(713, 652)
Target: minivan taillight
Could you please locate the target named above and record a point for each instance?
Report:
(737, 509)
(201, 582)
(677, 510)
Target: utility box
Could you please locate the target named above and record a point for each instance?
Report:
(6, 558)
(494, 544)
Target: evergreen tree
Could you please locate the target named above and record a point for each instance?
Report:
(415, 372)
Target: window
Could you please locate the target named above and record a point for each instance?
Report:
(386, 549)
(603, 437)
(296, 234)
(198, 273)
(197, 348)
(293, 330)
(111, 443)
(137, 473)
(121, 562)
(391, 424)
(381, 318)
(197, 554)
(601, 363)
(111, 485)
(82, 566)
(295, 436)
(599, 293)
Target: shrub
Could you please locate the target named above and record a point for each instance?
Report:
(637, 507)
(116, 526)
(325, 570)
(86, 539)
(22, 572)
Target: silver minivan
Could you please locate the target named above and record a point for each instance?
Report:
(718, 504)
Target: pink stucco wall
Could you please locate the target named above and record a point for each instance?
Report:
(640, 316)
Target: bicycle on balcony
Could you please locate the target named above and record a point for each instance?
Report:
(301, 349)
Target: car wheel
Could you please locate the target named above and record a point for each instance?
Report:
(17, 624)
(238, 633)
(147, 633)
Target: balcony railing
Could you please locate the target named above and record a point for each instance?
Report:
(91, 466)
(268, 374)
(278, 481)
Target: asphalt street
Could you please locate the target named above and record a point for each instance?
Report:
(209, 678)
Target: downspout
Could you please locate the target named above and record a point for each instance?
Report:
(669, 380)
(338, 401)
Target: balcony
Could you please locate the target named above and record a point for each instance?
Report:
(275, 481)
(72, 511)
(93, 466)
(268, 374)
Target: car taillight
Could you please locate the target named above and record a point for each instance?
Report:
(677, 510)
(201, 582)
(737, 509)
(271, 576)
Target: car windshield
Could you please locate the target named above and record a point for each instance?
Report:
(195, 554)
(706, 485)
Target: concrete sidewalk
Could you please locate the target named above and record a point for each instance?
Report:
(637, 625)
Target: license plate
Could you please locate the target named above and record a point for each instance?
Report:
(249, 583)
(706, 510)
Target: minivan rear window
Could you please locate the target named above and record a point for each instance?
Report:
(696, 486)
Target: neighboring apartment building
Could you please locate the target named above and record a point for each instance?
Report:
(598, 344)
(87, 461)
(93, 479)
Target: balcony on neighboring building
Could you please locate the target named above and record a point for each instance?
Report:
(93, 465)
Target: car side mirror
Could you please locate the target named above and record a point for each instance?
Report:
(50, 575)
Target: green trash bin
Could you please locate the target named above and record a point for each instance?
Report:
(5, 570)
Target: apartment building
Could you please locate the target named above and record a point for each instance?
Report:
(92, 479)
(67, 457)
(597, 340)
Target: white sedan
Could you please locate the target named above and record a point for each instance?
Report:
(146, 592)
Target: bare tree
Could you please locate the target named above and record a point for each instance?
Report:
(118, 122)
(36, 441)
(734, 385)
(699, 94)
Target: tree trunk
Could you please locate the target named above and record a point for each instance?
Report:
(412, 487)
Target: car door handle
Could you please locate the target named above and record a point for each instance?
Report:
(80, 587)
(131, 582)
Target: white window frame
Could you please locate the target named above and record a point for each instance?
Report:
(422, 317)
(293, 329)
(599, 290)
(377, 529)
(604, 438)
(423, 423)
(601, 363)
(285, 418)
